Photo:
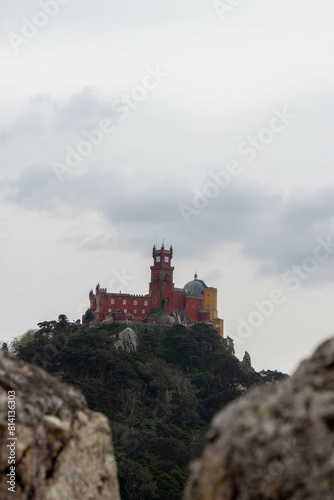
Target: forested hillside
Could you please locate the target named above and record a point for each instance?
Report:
(159, 400)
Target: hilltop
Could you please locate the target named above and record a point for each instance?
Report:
(158, 385)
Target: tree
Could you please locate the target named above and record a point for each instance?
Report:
(136, 481)
(271, 377)
(88, 316)
(24, 345)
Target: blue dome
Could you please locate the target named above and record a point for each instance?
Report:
(195, 286)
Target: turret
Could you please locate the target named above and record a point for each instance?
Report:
(161, 284)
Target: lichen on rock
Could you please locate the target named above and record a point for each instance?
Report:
(63, 450)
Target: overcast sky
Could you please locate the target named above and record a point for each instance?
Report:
(204, 123)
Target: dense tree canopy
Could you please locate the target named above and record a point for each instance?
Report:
(159, 400)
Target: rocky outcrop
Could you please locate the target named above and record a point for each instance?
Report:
(274, 443)
(180, 318)
(246, 362)
(109, 319)
(63, 451)
(128, 340)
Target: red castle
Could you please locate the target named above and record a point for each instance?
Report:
(196, 299)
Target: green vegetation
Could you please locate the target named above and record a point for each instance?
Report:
(159, 400)
(154, 311)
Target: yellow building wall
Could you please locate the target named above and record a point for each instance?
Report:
(210, 304)
(219, 324)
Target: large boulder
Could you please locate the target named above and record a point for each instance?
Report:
(63, 451)
(274, 443)
(128, 340)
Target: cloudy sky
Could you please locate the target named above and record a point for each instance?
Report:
(204, 123)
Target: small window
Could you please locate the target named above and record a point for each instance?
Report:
(135, 302)
(109, 310)
(143, 311)
(135, 311)
(112, 301)
(166, 259)
(158, 259)
(146, 303)
(125, 311)
(124, 301)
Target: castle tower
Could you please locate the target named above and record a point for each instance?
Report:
(161, 285)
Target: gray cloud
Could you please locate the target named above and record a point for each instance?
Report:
(82, 110)
(32, 121)
(44, 115)
(276, 231)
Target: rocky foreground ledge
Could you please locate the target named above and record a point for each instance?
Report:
(276, 443)
(62, 450)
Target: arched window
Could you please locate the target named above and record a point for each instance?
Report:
(135, 302)
(112, 301)
(135, 311)
(146, 303)
(125, 311)
(143, 311)
(124, 301)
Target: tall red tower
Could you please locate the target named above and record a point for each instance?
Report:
(161, 285)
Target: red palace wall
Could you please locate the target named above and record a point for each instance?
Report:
(193, 305)
(106, 303)
(180, 300)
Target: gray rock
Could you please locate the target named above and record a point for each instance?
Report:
(275, 443)
(180, 318)
(63, 450)
(247, 362)
(109, 319)
(128, 340)
(171, 320)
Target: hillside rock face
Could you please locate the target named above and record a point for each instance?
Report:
(128, 340)
(180, 318)
(275, 443)
(63, 451)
